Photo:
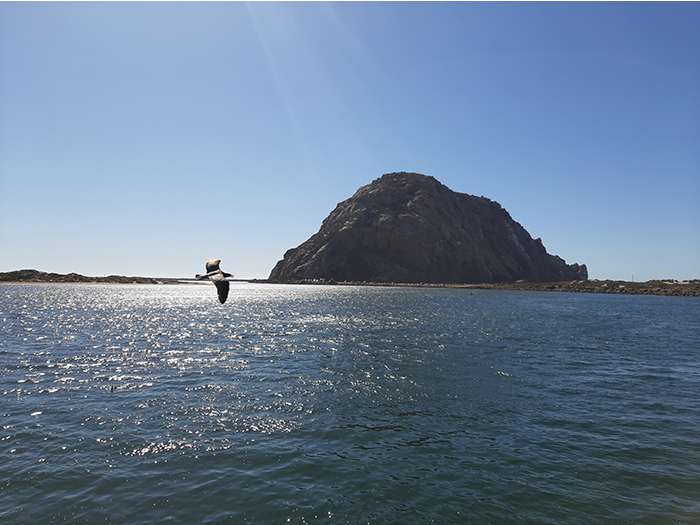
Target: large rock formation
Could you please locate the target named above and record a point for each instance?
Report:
(409, 228)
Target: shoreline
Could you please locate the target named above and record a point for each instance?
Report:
(654, 287)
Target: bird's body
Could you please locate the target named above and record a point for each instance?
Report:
(215, 275)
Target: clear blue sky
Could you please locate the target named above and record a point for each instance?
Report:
(140, 138)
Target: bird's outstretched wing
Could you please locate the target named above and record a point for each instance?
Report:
(222, 286)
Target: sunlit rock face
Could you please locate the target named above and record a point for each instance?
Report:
(409, 228)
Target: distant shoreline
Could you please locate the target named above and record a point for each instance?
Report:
(655, 287)
(36, 276)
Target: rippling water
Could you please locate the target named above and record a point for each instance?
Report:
(298, 404)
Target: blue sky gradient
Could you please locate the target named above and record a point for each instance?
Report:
(140, 138)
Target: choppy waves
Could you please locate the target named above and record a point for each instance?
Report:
(141, 404)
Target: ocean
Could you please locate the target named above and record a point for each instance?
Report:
(142, 404)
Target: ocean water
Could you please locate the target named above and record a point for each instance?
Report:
(300, 404)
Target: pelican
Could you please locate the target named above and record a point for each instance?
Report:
(215, 275)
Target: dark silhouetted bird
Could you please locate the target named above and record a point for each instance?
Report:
(215, 275)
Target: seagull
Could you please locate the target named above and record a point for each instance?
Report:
(218, 277)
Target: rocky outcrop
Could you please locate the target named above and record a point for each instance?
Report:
(409, 228)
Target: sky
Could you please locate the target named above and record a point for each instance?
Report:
(141, 138)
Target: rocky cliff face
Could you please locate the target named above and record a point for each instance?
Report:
(406, 227)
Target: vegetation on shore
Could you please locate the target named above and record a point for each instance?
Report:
(654, 287)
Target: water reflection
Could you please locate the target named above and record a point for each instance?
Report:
(358, 402)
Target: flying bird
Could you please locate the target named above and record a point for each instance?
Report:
(215, 275)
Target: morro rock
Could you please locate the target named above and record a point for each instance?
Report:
(409, 228)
